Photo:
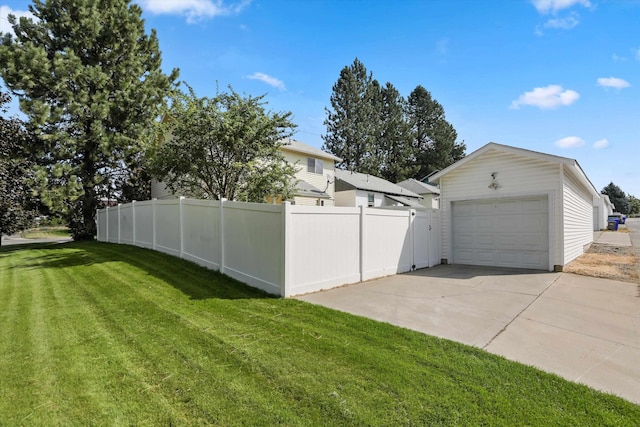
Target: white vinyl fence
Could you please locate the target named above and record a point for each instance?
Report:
(283, 249)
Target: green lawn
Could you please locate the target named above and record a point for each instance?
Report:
(101, 334)
(45, 233)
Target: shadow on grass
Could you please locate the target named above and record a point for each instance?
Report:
(191, 279)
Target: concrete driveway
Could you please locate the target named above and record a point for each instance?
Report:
(581, 328)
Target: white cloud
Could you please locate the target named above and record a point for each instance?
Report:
(570, 142)
(553, 6)
(194, 10)
(638, 54)
(601, 143)
(271, 81)
(613, 82)
(5, 11)
(548, 97)
(617, 58)
(567, 23)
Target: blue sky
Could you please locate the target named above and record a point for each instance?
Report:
(556, 76)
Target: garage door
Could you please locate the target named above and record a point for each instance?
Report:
(506, 233)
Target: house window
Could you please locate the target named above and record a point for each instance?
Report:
(314, 165)
(370, 200)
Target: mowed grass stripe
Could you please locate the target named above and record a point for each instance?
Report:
(15, 347)
(141, 338)
(222, 367)
(260, 328)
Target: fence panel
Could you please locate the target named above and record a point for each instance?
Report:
(435, 239)
(324, 247)
(254, 244)
(126, 224)
(113, 225)
(144, 224)
(285, 250)
(101, 219)
(387, 243)
(168, 226)
(201, 232)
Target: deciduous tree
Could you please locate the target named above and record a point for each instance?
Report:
(223, 147)
(89, 79)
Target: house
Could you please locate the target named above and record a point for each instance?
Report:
(359, 189)
(602, 208)
(430, 193)
(511, 207)
(315, 174)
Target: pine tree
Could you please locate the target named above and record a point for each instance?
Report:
(353, 120)
(397, 154)
(89, 80)
(434, 138)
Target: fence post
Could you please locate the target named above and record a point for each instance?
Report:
(153, 222)
(97, 224)
(286, 264)
(133, 221)
(222, 200)
(181, 225)
(119, 223)
(412, 215)
(362, 242)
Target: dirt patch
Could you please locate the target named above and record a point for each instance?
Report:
(607, 262)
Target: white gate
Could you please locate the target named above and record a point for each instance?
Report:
(426, 238)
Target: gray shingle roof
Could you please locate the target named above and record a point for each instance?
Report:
(301, 147)
(419, 187)
(361, 181)
(407, 201)
(303, 188)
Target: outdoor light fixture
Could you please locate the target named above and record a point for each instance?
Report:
(494, 183)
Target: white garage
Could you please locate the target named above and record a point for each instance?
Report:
(509, 207)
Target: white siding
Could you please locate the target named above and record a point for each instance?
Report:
(578, 219)
(317, 180)
(516, 176)
(160, 191)
(601, 210)
(346, 198)
(357, 198)
(431, 201)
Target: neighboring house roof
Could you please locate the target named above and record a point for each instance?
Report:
(301, 147)
(360, 181)
(304, 189)
(419, 187)
(571, 163)
(411, 202)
